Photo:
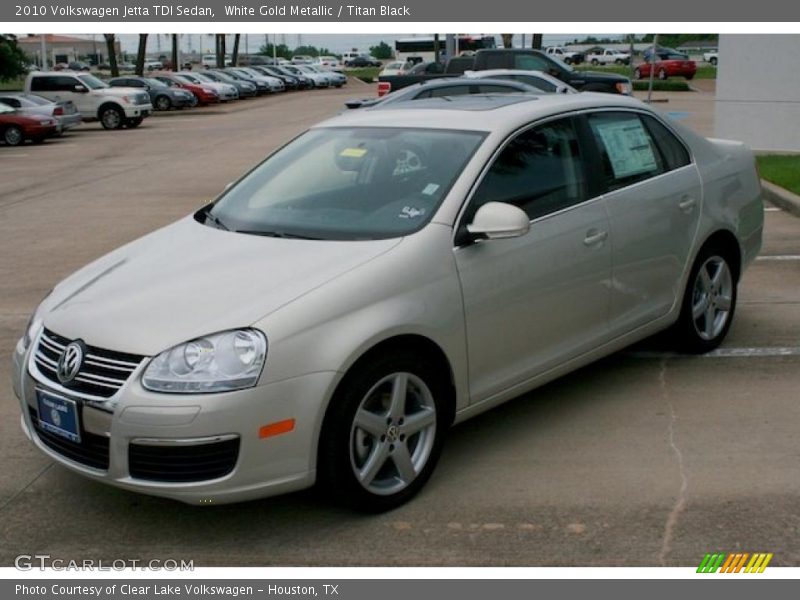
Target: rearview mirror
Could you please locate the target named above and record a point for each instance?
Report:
(80, 89)
(498, 220)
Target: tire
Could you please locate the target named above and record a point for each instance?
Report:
(133, 123)
(662, 74)
(194, 101)
(112, 117)
(713, 61)
(378, 447)
(637, 73)
(595, 62)
(619, 61)
(13, 136)
(162, 103)
(568, 60)
(709, 302)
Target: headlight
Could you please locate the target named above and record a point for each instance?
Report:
(624, 88)
(222, 362)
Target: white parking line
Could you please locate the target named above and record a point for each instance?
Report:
(780, 257)
(772, 209)
(4, 155)
(767, 351)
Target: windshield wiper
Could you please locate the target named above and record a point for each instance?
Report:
(277, 234)
(215, 220)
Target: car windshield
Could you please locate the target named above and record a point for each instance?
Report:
(187, 78)
(92, 82)
(364, 183)
(34, 99)
(202, 77)
(154, 82)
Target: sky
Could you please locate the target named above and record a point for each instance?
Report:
(335, 42)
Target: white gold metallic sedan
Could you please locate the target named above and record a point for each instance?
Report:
(381, 277)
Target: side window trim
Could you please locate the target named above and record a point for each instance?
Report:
(592, 194)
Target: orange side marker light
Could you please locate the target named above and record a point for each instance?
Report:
(273, 429)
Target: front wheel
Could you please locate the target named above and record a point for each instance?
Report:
(163, 103)
(708, 303)
(595, 62)
(383, 433)
(568, 60)
(112, 117)
(13, 135)
(713, 62)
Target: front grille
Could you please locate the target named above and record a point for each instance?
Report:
(92, 450)
(142, 99)
(183, 463)
(103, 371)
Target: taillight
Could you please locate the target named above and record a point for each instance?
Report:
(58, 111)
(384, 87)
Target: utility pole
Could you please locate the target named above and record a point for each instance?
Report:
(652, 68)
(43, 40)
(436, 47)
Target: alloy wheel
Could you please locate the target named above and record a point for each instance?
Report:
(712, 298)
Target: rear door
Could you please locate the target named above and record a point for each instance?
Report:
(653, 195)
(535, 301)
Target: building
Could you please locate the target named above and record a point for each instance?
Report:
(64, 49)
(758, 91)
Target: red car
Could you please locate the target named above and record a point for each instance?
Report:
(669, 64)
(15, 128)
(203, 94)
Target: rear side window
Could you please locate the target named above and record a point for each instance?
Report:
(530, 62)
(450, 90)
(497, 89)
(672, 149)
(53, 83)
(13, 102)
(541, 171)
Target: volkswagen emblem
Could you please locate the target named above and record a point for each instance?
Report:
(70, 362)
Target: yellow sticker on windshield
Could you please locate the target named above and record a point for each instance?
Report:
(353, 152)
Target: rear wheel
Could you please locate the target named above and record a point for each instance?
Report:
(595, 62)
(713, 61)
(383, 432)
(163, 103)
(568, 60)
(112, 117)
(13, 136)
(708, 302)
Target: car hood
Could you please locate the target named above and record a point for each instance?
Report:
(188, 280)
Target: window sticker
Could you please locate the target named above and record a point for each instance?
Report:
(628, 147)
(430, 189)
(353, 152)
(409, 212)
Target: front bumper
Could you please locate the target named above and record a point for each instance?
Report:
(134, 417)
(138, 110)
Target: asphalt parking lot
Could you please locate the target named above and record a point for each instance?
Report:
(642, 459)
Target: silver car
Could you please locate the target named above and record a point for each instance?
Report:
(63, 111)
(381, 277)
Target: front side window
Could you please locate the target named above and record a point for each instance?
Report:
(92, 82)
(540, 171)
(348, 184)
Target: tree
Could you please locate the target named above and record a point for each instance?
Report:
(175, 63)
(281, 51)
(381, 51)
(111, 46)
(508, 40)
(221, 51)
(12, 58)
(141, 54)
(235, 53)
(536, 41)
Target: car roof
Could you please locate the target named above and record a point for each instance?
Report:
(480, 112)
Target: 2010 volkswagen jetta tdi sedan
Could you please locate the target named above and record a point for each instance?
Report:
(377, 279)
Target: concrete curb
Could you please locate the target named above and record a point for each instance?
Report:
(780, 197)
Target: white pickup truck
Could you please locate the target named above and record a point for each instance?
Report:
(114, 107)
(711, 57)
(568, 56)
(608, 57)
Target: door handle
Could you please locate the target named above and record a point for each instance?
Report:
(687, 204)
(594, 237)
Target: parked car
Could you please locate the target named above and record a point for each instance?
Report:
(302, 59)
(536, 79)
(246, 89)
(15, 128)
(63, 111)
(334, 78)
(289, 82)
(362, 61)
(77, 65)
(271, 84)
(125, 66)
(667, 65)
(396, 68)
(162, 96)
(608, 57)
(153, 65)
(114, 107)
(451, 259)
(210, 61)
(204, 94)
(329, 63)
(304, 82)
(227, 91)
(711, 57)
(445, 88)
(318, 80)
(570, 57)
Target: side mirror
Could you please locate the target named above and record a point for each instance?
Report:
(81, 89)
(498, 220)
